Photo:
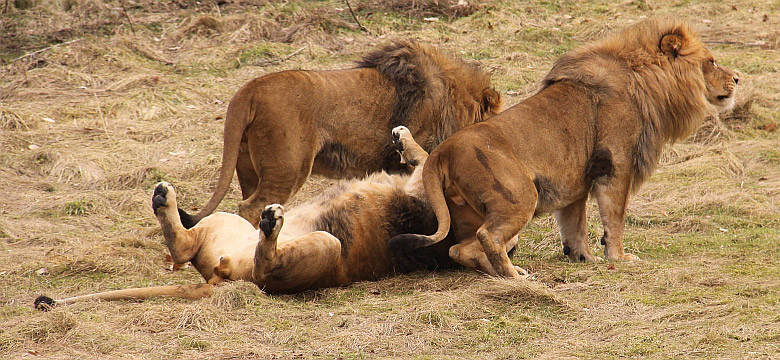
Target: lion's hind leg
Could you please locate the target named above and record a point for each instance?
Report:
(179, 240)
(297, 264)
(470, 254)
(509, 204)
(573, 226)
(282, 172)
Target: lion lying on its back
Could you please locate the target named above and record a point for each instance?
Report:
(336, 239)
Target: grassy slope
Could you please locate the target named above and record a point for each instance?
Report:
(134, 104)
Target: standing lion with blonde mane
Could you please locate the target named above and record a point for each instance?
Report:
(282, 127)
(596, 127)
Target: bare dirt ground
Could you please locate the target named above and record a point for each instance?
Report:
(99, 100)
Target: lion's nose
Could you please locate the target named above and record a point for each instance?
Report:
(736, 80)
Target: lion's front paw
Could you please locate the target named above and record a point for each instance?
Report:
(520, 271)
(271, 219)
(162, 192)
(629, 257)
(623, 257)
(405, 146)
(398, 141)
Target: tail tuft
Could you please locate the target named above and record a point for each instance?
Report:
(43, 303)
(187, 220)
(408, 242)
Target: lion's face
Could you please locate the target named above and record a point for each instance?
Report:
(721, 84)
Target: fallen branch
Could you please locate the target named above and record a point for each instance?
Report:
(355, 17)
(46, 48)
(278, 60)
(730, 42)
(124, 11)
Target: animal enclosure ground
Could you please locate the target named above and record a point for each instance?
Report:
(115, 96)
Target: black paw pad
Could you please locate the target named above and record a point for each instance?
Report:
(604, 239)
(399, 146)
(566, 250)
(267, 222)
(43, 303)
(159, 197)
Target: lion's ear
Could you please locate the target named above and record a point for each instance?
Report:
(671, 45)
(491, 101)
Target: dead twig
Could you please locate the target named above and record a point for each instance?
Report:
(731, 42)
(355, 17)
(127, 16)
(46, 48)
(279, 60)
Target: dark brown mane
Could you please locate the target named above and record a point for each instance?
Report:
(668, 93)
(425, 80)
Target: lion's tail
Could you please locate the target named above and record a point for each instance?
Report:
(238, 118)
(434, 187)
(193, 291)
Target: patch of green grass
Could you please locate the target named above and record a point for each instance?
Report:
(384, 22)
(771, 156)
(155, 175)
(263, 52)
(78, 208)
(195, 344)
(480, 54)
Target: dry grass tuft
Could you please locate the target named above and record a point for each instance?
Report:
(202, 26)
(142, 48)
(518, 292)
(38, 329)
(12, 120)
(423, 8)
(142, 178)
(236, 295)
(71, 170)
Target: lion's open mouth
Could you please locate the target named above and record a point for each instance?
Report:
(723, 97)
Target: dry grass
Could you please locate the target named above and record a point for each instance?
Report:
(88, 127)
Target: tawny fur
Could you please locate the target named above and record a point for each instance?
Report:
(335, 239)
(596, 127)
(282, 127)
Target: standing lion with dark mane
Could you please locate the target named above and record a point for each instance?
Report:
(282, 127)
(596, 127)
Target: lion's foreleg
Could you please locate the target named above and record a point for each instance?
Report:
(180, 241)
(612, 198)
(295, 265)
(414, 155)
(266, 259)
(573, 226)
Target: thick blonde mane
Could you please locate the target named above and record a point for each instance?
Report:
(668, 91)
